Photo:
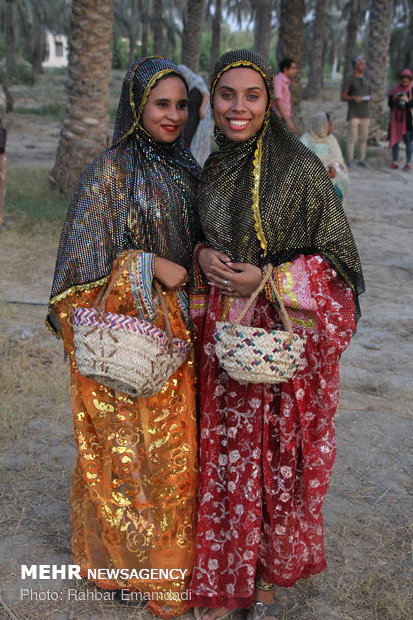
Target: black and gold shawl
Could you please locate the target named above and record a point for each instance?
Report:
(138, 194)
(270, 198)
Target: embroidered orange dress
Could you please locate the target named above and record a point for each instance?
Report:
(134, 483)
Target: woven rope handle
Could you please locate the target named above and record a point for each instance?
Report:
(100, 302)
(162, 301)
(254, 295)
(101, 299)
(282, 313)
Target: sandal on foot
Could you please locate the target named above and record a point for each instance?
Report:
(259, 611)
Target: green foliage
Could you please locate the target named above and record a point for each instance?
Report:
(237, 38)
(22, 74)
(30, 200)
(177, 54)
(56, 111)
(56, 71)
(120, 54)
(112, 114)
(229, 40)
(2, 45)
(205, 55)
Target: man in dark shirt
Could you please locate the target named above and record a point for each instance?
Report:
(357, 93)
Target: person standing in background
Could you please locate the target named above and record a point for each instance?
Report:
(401, 104)
(3, 135)
(357, 93)
(282, 92)
(198, 130)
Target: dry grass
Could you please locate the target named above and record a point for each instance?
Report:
(34, 381)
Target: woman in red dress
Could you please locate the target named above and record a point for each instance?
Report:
(266, 451)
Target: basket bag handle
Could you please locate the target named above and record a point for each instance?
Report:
(100, 302)
(281, 309)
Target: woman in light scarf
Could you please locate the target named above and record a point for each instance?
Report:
(320, 140)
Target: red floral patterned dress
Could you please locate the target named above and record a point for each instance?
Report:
(267, 452)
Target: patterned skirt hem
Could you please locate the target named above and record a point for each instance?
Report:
(214, 602)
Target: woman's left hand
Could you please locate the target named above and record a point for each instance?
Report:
(242, 282)
(332, 172)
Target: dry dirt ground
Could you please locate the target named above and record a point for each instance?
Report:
(370, 497)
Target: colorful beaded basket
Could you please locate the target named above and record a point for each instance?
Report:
(258, 355)
(125, 353)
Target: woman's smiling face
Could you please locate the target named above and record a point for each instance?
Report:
(166, 111)
(240, 103)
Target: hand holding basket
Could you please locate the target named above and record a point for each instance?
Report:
(123, 352)
(258, 355)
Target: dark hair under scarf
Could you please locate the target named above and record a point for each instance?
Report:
(270, 198)
(138, 193)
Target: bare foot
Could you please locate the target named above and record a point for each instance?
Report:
(214, 614)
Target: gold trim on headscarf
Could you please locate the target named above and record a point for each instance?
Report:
(256, 193)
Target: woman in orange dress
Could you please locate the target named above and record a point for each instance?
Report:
(134, 484)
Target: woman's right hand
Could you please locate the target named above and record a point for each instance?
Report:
(170, 274)
(208, 259)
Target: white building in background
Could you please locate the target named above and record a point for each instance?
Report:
(57, 53)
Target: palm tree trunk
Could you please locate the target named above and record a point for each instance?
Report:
(145, 28)
(133, 30)
(290, 36)
(381, 17)
(191, 36)
(38, 41)
(157, 26)
(10, 37)
(352, 27)
(85, 129)
(216, 34)
(262, 27)
(315, 77)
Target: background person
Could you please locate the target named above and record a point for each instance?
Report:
(6, 104)
(357, 93)
(282, 93)
(401, 103)
(319, 139)
(134, 485)
(198, 130)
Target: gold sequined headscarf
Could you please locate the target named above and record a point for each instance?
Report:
(270, 198)
(138, 194)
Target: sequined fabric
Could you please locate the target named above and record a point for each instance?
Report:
(134, 485)
(138, 194)
(270, 198)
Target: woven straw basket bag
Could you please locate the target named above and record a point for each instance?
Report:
(125, 353)
(255, 354)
